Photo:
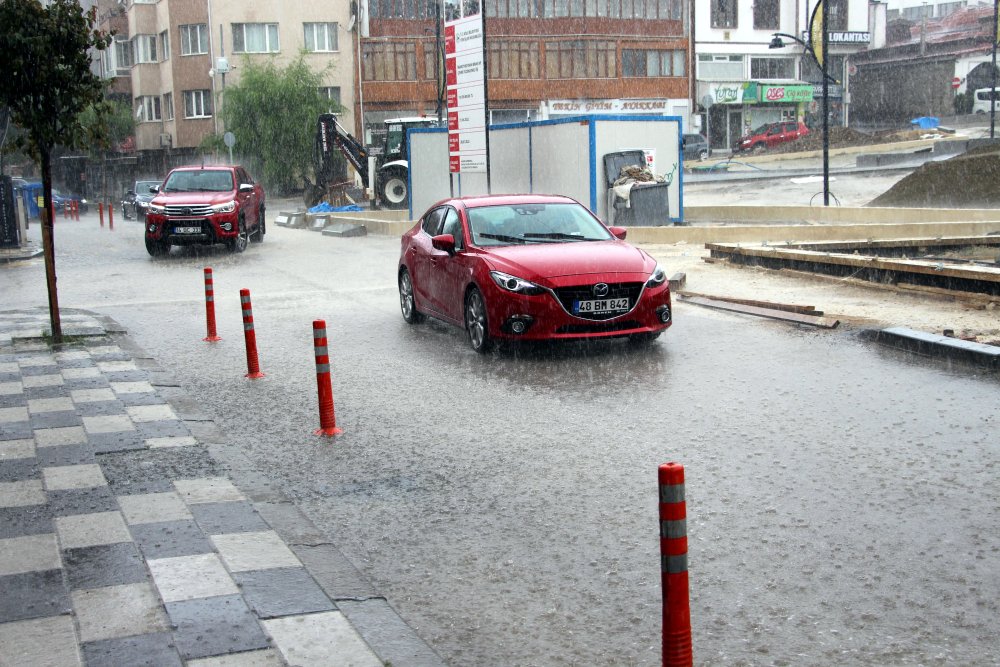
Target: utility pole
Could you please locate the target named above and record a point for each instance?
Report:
(993, 91)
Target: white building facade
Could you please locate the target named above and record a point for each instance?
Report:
(743, 83)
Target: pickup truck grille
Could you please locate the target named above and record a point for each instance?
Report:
(190, 209)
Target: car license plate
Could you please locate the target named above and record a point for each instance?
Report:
(187, 230)
(597, 306)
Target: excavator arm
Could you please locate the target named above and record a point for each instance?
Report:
(330, 138)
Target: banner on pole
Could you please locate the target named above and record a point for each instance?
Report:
(465, 79)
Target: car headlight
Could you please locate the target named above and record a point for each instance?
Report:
(228, 207)
(515, 284)
(156, 208)
(657, 277)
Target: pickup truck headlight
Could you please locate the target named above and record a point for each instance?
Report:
(228, 207)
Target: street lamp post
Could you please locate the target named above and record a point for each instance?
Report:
(777, 42)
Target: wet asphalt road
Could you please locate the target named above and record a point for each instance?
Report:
(842, 501)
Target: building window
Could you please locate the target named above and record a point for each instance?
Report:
(389, 62)
(766, 14)
(194, 39)
(331, 93)
(725, 14)
(720, 67)
(772, 68)
(320, 36)
(255, 38)
(837, 14)
(513, 60)
(401, 9)
(147, 108)
(165, 45)
(652, 62)
(197, 103)
(144, 47)
(579, 59)
(618, 9)
(168, 106)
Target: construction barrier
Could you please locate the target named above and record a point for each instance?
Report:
(253, 366)
(210, 307)
(674, 570)
(327, 418)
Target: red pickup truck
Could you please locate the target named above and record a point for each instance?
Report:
(205, 205)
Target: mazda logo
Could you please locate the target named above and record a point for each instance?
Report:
(601, 289)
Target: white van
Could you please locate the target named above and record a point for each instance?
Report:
(981, 103)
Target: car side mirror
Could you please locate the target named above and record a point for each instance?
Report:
(129, 192)
(246, 187)
(444, 242)
(154, 188)
(619, 232)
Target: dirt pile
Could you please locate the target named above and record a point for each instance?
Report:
(969, 180)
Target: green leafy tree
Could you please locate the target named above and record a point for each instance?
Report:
(47, 83)
(273, 113)
(108, 123)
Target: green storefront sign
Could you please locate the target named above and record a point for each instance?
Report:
(788, 94)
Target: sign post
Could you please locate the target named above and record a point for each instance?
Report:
(465, 81)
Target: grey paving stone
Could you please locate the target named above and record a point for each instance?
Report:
(335, 574)
(152, 650)
(167, 539)
(162, 429)
(389, 636)
(121, 441)
(56, 391)
(16, 470)
(98, 382)
(82, 501)
(142, 398)
(33, 595)
(215, 626)
(231, 517)
(48, 369)
(55, 419)
(283, 591)
(21, 521)
(127, 376)
(100, 408)
(103, 565)
(15, 431)
(64, 455)
(75, 363)
(13, 400)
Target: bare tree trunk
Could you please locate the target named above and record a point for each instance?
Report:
(48, 246)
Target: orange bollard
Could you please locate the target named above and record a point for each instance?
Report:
(210, 307)
(253, 365)
(111, 217)
(674, 569)
(76, 210)
(327, 418)
(53, 217)
(65, 210)
(100, 211)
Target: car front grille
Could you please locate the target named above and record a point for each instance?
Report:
(598, 327)
(567, 295)
(182, 210)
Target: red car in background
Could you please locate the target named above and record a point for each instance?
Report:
(529, 268)
(770, 135)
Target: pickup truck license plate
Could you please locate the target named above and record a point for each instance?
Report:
(187, 230)
(597, 306)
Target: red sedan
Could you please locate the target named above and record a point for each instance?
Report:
(529, 267)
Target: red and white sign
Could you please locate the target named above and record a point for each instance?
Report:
(956, 82)
(465, 78)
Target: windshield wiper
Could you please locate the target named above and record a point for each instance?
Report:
(556, 235)
(503, 237)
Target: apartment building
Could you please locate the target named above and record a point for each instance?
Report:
(174, 58)
(742, 82)
(545, 58)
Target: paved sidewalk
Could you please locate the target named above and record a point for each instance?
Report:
(132, 534)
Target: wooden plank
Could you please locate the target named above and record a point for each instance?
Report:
(811, 320)
(790, 307)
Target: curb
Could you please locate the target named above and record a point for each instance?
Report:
(935, 345)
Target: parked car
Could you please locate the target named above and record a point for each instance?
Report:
(136, 201)
(529, 268)
(695, 147)
(60, 199)
(770, 135)
(205, 205)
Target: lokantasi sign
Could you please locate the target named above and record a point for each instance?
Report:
(465, 77)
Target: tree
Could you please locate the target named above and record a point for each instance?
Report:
(273, 113)
(47, 82)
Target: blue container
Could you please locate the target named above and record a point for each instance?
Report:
(925, 122)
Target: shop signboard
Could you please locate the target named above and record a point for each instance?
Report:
(465, 75)
(770, 93)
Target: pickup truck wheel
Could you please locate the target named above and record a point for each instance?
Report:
(239, 244)
(258, 234)
(394, 194)
(156, 248)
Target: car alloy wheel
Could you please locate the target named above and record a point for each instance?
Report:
(476, 322)
(239, 244)
(156, 248)
(406, 302)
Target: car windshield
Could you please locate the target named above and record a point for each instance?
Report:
(142, 187)
(205, 180)
(519, 224)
